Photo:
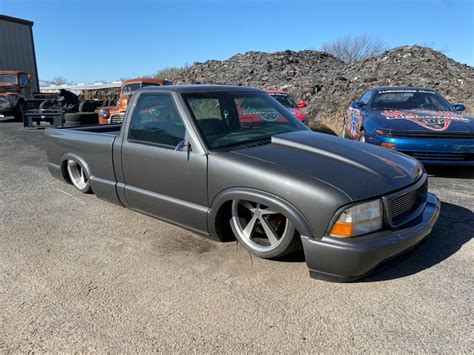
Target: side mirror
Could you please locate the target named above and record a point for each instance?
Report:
(358, 105)
(459, 107)
(301, 104)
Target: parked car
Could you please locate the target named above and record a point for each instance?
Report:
(416, 121)
(183, 155)
(114, 114)
(290, 103)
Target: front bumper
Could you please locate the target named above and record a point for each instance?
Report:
(433, 151)
(342, 260)
(6, 111)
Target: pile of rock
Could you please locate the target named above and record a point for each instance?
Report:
(329, 86)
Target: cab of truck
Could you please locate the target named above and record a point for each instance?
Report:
(114, 114)
(15, 89)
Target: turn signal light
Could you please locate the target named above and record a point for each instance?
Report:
(342, 230)
(389, 145)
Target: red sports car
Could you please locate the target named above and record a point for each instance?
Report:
(290, 103)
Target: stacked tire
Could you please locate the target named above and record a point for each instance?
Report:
(80, 119)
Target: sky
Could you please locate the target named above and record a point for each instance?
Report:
(87, 41)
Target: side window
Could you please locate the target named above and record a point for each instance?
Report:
(156, 120)
(366, 98)
(24, 80)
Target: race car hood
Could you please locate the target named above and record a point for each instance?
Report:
(359, 170)
(422, 121)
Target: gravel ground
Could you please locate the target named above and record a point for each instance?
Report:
(80, 274)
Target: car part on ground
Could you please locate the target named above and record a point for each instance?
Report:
(415, 121)
(218, 159)
(80, 119)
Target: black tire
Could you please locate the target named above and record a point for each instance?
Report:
(81, 118)
(86, 106)
(19, 111)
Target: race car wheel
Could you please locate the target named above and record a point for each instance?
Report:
(78, 176)
(262, 230)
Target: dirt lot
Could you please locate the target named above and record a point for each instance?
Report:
(80, 274)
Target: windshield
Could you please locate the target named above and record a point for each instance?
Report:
(131, 88)
(7, 78)
(285, 100)
(238, 118)
(409, 100)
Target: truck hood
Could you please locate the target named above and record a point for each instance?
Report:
(7, 87)
(359, 170)
(423, 121)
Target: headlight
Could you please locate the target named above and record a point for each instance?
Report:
(359, 219)
(103, 113)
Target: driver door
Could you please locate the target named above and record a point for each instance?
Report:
(162, 175)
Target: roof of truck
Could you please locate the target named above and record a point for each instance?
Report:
(11, 72)
(200, 88)
(147, 80)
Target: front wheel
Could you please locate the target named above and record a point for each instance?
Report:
(78, 176)
(362, 136)
(262, 230)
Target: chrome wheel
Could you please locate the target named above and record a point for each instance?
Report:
(362, 137)
(261, 229)
(78, 176)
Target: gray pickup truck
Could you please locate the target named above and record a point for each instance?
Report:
(231, 162)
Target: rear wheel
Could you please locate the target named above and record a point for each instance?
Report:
(262, 230)
(19, 111)
(78, 176)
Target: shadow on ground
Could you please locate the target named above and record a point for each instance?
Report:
(457, 172)
(454, 228)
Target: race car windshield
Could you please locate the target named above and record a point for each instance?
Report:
(238, 118)
(7, 79)
(285, 100)
(409, 100)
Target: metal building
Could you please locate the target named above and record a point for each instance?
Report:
(17, 48)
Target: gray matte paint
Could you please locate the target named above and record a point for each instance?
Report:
(306, 175)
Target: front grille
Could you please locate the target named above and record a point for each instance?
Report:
(118, 118)
(403, 206)
(438, 156)
(425, 134)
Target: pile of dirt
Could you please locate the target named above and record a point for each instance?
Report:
(329, 86)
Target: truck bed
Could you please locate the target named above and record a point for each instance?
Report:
(106, 129)
(92, 146)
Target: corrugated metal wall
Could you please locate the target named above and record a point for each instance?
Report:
(17, 49)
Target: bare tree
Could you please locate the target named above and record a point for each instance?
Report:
(353, 49)
(59, 80)
(170, 73)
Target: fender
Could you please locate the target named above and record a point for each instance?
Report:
(242, 193)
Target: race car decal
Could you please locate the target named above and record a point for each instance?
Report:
(353, 122)
(435, 121)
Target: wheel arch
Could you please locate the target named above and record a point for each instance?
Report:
(220, 212)
(78, 159)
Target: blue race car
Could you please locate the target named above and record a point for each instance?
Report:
(416, 121)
